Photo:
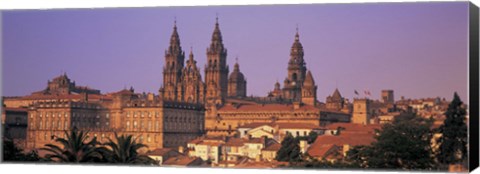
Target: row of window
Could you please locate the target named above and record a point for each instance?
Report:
(65, 114)
(141, 114)
(141, 126)
(50, 125)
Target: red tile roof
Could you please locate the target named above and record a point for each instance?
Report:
(235, 142)
(352, 127)
(282, 125)
(160, 152)
(322, 150)
(181, 160)
(343, 139)
(9, 109)
(273, 147)
(267, 107)
(68, 96)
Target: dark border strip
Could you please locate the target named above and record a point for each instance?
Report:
(474, 89)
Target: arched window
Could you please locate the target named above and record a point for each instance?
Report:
(294, 76)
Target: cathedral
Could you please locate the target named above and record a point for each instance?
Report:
(187, 106)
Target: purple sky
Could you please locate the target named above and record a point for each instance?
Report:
(417, 49)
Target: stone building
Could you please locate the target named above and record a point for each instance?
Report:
(387, 97)
(154, 122)
(185, 108)
(335, 101)
(361, 111)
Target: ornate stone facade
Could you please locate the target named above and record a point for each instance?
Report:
(185, 108)
(153, 122)
(216, 70)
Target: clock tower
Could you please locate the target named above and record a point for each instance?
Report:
(292, 89)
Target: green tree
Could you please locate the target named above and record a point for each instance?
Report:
(124, 150)
(12, 153)
(312, 136)
(403, 144)
(289, 150)
(74, 149)
(453, 142)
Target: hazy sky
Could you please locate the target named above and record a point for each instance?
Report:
(416, 49)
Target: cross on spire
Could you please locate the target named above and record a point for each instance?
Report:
(296, 34)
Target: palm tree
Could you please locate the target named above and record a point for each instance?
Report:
(125, 151)
(76, 148)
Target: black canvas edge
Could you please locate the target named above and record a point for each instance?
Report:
(473, 87)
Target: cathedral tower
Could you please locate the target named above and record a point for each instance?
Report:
(309, 90)
(237, 85)
(296, 71)
(216, 70)
(335, 101)
(192, 84)
(172, 71)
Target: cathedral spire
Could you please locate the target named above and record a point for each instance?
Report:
(191, 54)
(217, 41)
(174, 47)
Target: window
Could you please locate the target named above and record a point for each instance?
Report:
(149, 125)
(156, 125)
(128, 124)
(149, 139)
(135, 124)
(59, 124)
(66, 125)
(107, 116)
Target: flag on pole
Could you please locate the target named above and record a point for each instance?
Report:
(356, 92)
